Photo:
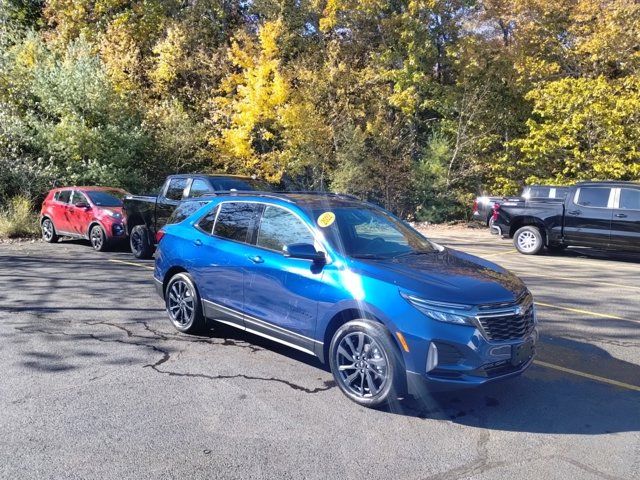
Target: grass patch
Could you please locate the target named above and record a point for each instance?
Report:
(18, 219)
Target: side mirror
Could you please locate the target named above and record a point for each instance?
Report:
(305, 251)
(82, 205)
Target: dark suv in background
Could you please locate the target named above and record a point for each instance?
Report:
(145, 215)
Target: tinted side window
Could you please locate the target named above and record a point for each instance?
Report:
(184, 210)
(176, 188)
(78, 197)
(236, 220)
(199, 188)
(64, 196)
(280, 227)
(593, 197)
(630, 198)
(206, 223)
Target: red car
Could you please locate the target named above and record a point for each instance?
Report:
(92, 213)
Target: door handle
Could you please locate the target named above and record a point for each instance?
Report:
(574, 212)
(256, 258)
(197, 243)
(620, 215)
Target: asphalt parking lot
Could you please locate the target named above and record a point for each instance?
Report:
(97, 384)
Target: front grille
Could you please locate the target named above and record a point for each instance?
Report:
(508, 324)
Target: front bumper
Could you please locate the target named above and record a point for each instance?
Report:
(159, 287)
(465, 359)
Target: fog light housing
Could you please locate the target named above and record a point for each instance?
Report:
(117, 229)
(432, 357)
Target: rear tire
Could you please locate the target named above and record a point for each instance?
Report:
(183, 304)
(528, 240)
(139, 242)
(365, 363)
(48, 231)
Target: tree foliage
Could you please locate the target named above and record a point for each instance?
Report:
(415, 104)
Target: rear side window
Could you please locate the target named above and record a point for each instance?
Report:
(176, 188)
(279, 227)
(235, 220)
(199, 188)
(630, 199)
(63, 196)
(184, 210)
(593, 197)
(206, 223)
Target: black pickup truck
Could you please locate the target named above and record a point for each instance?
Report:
(145, 215)
(604, 215)
(483, 206)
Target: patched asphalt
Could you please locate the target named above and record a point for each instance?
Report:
(97, 384)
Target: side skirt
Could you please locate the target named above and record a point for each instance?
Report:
(222, 314)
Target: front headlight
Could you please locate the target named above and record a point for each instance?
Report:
(113, 214)
(441, 311)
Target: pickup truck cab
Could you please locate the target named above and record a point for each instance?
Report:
(145, 215)
(603, 215)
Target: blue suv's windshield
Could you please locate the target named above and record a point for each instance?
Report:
(370, 233)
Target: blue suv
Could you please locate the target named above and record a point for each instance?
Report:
(388, 309)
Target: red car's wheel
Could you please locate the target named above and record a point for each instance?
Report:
(49, 231)
(98, 238)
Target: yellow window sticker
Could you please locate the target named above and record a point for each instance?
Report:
(326, 219)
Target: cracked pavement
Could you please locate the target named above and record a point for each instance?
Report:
(97, 384)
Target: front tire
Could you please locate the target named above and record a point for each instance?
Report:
(183, 304)
(98, 238)
(365, 363)
(139, 242)
(49, 234)
(528, 240)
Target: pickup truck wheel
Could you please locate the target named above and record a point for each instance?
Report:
(49, 231)
(139, 242)
(528, 240)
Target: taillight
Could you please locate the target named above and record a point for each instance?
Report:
(475, 206)
(159, 236)
(496, 211)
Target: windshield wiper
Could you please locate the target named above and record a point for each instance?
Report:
(369, 256)
(413, 252)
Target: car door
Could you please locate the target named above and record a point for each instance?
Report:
(281, 292)
(168, 200)
(625, 224)
(80, 213)
(219, 259)
(60, 212)
(588, 216)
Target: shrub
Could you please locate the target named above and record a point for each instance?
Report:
(18, 219)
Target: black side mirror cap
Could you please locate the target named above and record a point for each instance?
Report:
(305, 251)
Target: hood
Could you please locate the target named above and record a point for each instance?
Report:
(446, 276)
